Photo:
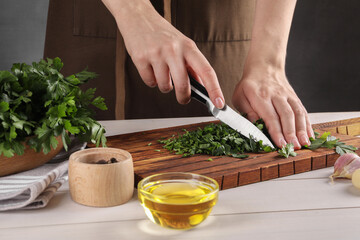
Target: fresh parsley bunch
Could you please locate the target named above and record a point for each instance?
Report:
(37, 100)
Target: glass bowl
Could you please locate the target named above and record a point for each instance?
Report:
(178, 200)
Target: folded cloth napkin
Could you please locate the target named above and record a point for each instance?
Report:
(34, 188)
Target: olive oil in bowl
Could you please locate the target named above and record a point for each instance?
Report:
(178, 200)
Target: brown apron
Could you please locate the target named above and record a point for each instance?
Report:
(84, 34)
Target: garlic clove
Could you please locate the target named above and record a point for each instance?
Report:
(353, 166)
(344, 160)
(345, 165)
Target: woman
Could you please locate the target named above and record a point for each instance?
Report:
(235, 48)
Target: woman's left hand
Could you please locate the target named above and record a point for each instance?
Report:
(266, 93)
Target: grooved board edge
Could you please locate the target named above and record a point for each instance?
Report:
(227, 171)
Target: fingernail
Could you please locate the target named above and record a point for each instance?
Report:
(253, 120)
(282, 142)
(305, 140)
(252, 117)
(312, 134)
(219, 103)
(296, 143)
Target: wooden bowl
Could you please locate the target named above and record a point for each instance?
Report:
(29, 160)
(101, 185)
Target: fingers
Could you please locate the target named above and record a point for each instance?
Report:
(242, 104)
(267, 112)
(162, 75)
(179, 59)
(273, 124)
(194, 74)
(301, 121)
(147, 74)
(292, 129)
(181, 80)
(203, 69)
(309, 128)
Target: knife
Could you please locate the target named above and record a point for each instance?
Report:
(227, 115)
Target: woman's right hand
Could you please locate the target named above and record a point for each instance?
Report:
(160, 52)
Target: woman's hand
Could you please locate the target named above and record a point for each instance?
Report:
(267, 94)
(160, 52)
(264, 91)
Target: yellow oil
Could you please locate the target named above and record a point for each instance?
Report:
(178, 204)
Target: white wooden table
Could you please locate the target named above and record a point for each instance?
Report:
(303, 206)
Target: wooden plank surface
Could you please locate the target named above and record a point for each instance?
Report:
(229, 172)
(347, 127)
(322, 224)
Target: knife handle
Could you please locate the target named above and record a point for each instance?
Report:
(195, 84)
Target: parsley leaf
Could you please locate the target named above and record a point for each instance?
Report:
(287, 151)
(331, 142)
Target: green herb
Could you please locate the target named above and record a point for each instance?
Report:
(149, 144)
(220, 139)
(331, 142)
(209, 160)
(215, 140)
(37, 100)
(157, 150)
(287, 150)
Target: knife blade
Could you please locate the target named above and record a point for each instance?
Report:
(227, 115)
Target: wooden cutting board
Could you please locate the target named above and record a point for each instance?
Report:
(229, 172)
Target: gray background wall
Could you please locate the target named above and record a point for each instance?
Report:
(22, 31)
(323, 62)
(323, 53)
